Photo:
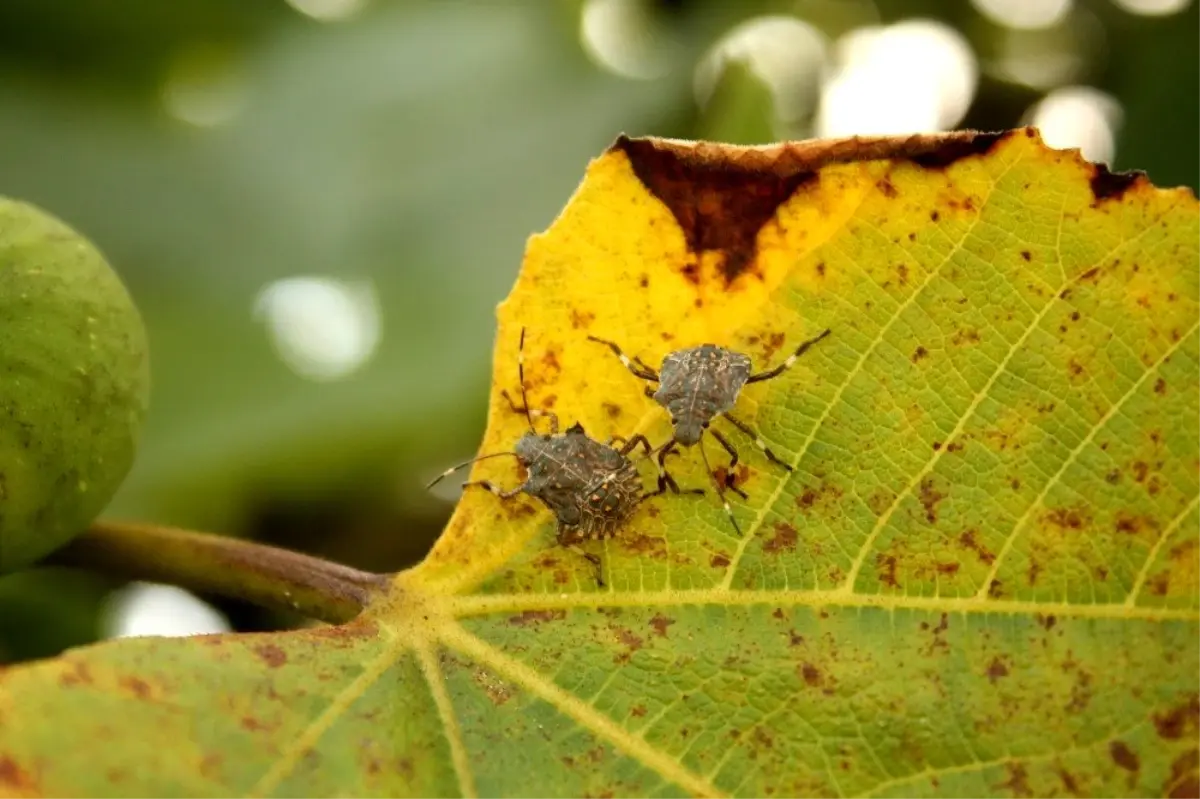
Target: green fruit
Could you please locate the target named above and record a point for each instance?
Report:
(74, 383)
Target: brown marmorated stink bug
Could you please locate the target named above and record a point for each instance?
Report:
(698, 384)
(591, 487)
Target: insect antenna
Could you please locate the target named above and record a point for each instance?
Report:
(720, 489)
(464, 465)
(521, 378)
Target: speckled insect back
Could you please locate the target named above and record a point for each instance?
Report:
(591, 487)
(698, 384)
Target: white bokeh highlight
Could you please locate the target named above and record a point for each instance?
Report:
(145, 609)
(917, 76)
(1153, 8)
(1079, 117)
(787, 54)
(620, 36)
(322, 328)
(204, 87)
(328, 10)
(1025, 14)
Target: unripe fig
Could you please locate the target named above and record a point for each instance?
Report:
(74, 383)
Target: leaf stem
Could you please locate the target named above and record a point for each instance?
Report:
(230, 567)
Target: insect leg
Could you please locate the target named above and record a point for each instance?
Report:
(720, 490)
(593, 559)
(495, 489)
(633, 443)
(791, 359)
(733, 462)
(758, 442)
(665, 480)
(640, 369)
(532, 413)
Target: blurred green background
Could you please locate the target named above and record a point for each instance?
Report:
(317, 205)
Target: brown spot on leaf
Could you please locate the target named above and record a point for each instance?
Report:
(947, 568)
(1068, 518)
(930, 497)
(1047, 621)
(1026, 255)
(644, 281)
(625, 636)
(783, 540)
(253, 725)
(1018, 780)
(1108, 185)
(886, 570)
(719, 560)
(722, 195)
(810, 673)
(647, 546)
(136, 686)
(952, 151)
(1187, 788)
(14, 777)
(638, 710)
(886, 188)
(78, 675)
(996, 670)
(1160, 386)
(581, 319)
(1069, 782)
(719, 203)
(919, 353)
(660, 623)
(612, 409)
(969, 539)
(1181, 720)
(1123, 756)
(272, 655)
(1185, 764)
(528, 617)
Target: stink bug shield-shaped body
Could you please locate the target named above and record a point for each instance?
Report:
(591, 487)
(698, 384)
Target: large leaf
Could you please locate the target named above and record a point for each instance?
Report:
(980, 578)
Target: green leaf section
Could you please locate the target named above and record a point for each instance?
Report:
(979, 579)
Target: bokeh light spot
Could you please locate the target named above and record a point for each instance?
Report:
(328, 10)
(1079, 116)
(787, 54)
(323, 329)
(1025, 14)
(162, 610)
(1153, 8)
(621, 36)
(917, 76)
(204, 87)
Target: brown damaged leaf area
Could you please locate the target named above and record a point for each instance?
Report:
(978, 577)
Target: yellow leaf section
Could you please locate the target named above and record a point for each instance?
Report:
(662, 251)
(639, 285)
